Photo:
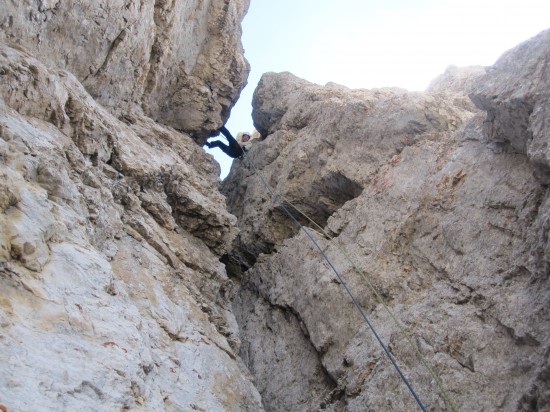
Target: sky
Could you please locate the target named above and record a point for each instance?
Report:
(375, 43)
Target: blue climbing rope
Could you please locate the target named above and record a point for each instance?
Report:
(344, 284)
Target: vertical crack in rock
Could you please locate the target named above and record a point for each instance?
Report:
(163, 20)
(293, 376)
(112, 49)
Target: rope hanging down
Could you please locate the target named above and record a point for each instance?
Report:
(344, 284)
(402, 329)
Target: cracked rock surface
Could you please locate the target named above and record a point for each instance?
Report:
(113, 229)
(437, 201)
(180, 62)
(111, 223)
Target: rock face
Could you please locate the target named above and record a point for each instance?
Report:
(436, 212)
(112, 225)
(433, 206)
(515, 95)
(180, 62)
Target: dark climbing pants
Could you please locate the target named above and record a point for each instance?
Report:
(233, 149)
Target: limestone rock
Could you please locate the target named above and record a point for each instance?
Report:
(414, 200)
(434, 209)
(458, 80)
(324, 145)
(179, 61)
(111, 230)
(515, 92)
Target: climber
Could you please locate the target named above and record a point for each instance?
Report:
(245, 142)
(234, 149)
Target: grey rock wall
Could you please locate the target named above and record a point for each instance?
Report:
(113, 229)
(112, 226)
(439, 204)
(515, 95)
(180, 62)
